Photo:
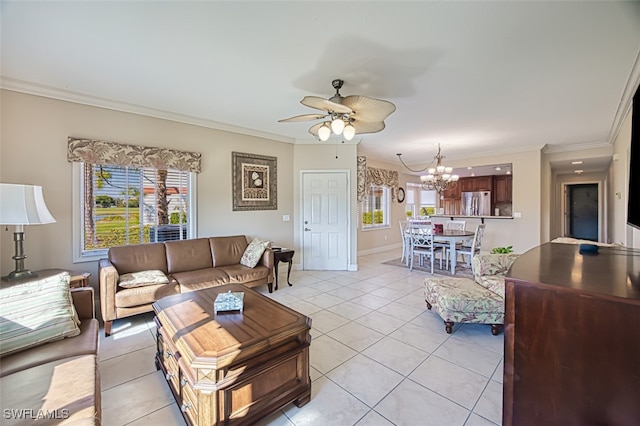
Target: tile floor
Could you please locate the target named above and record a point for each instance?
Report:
(378, 357)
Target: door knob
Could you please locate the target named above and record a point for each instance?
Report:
(307, 229)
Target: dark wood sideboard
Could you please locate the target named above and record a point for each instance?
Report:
(572, 337)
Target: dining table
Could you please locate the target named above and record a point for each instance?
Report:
(452, 237)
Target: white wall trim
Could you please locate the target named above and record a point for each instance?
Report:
(380, 249)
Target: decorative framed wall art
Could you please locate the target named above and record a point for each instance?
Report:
(255, 185)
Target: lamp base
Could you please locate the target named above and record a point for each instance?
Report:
(19, 275)
(20, 272)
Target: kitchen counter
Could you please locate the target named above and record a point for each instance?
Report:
(482, 218)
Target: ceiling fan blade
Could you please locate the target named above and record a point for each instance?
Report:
(368, 127)
(325, 105)
(369, 109)
(304, 117)
(314, 129)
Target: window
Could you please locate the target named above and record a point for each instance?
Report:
(375, 208)
(419, 201)
(120, 205)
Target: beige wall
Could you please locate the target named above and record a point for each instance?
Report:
(33, 151)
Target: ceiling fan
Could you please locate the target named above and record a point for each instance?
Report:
(348, 116)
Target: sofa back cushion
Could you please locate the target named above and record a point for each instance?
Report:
(491, 264)
(227, 250)
(188, 255)
(138, 257)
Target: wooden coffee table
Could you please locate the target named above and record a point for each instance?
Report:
(232, 368)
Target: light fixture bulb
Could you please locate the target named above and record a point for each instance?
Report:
(454, 178)
(448, 170)
(446, 176)
(349, 132)
(337, 126)
(432, 171)
(440, 169)
(324, 132)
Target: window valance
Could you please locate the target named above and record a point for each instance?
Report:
(118, 154)
(368, 176)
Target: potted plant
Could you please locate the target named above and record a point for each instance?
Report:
(502, 250)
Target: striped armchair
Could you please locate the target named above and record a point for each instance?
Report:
(479, 300)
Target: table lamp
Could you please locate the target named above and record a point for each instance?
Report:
(22, 205)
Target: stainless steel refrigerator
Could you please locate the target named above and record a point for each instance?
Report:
(476, 203)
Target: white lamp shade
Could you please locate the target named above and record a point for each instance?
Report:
(324, 132)
(23, 205)
(337, 126)
(349, 132)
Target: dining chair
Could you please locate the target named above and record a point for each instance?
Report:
(422, 246)
(406, 240)
(476, 244)
(457, 225)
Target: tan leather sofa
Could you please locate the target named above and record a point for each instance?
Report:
(190, 265)
(58, 379)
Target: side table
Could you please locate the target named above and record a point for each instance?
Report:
(283, 255)
(78, 278)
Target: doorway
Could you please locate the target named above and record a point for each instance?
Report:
(325, 220)
(582, 211)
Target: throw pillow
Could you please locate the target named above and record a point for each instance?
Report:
(143, 278)
(36, 312)
(253, 252)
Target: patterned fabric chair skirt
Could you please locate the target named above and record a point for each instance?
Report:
(463, 300)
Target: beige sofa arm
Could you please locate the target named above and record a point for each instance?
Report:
(83, 302)
(267, 260)
(108, 278)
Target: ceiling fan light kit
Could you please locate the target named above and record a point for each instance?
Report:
(346, 116)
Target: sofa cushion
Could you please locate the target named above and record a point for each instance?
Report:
(253, 252)
(227, 250)
(492, 264)
(239, 274)
(68, 388)
(202, 278)
(188, 255)
(143, 278)
(130, 297)
(86, 343)
(36, 312)
(493, 283)
(138, 257)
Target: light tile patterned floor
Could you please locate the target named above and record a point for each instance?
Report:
(378, 357)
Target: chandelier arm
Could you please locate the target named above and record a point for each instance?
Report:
(409, 168)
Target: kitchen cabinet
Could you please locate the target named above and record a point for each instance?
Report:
(484, 183)
(478, 183)
(502, 187)
(452, 192)
(451, 206)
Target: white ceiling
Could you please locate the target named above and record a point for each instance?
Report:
(476, 77)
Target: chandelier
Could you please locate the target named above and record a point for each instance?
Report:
(439, 178)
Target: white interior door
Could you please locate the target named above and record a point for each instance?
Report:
(325, 221)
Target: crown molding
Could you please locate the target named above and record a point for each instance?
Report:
(552, 149)
(627, 97)
(29, 88)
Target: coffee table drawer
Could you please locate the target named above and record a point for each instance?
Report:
(268, 385)
(189, 405)
(168, 357)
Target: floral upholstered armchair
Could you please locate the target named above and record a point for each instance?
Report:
(479, 300)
